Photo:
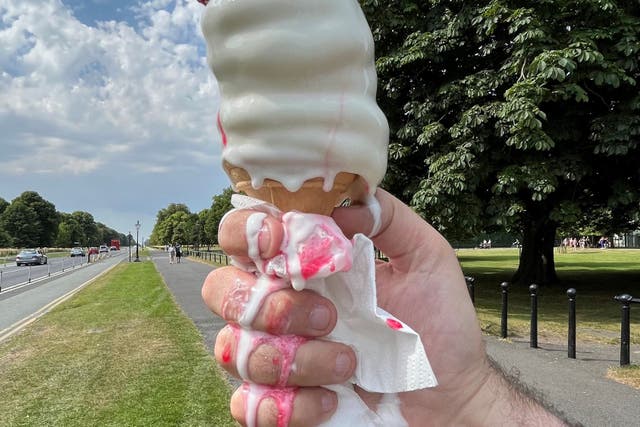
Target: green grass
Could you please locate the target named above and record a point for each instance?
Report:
(119, 353)
(597, 276)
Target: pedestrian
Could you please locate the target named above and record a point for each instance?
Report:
(178, 252)
(172, 254)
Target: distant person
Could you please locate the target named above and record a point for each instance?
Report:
(172, 254)
(178, 252)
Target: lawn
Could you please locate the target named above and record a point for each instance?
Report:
(597, 276)
(119, 353)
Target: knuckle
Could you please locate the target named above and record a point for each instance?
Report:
(265, 365)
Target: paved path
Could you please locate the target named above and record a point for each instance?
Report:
(577, 387)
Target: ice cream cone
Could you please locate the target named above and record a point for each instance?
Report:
(310, 198)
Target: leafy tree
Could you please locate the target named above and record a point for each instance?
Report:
(521, 116)
(40, 222)
(219, 207)
(89, 229)
(5, 238)
(69, 232)
(198, 235)
(21, 222)
(166, 221)
(3, 205)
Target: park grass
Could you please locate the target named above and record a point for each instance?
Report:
(118, 353)
(597, 275)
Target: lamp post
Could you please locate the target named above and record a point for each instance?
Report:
(137, 241)
(129, 236)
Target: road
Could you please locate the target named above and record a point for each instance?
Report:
(11, 275)
(19, 304)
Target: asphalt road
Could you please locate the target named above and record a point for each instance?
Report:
(11, 275)
(20, 304)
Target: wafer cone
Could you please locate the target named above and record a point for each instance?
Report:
(310, 198)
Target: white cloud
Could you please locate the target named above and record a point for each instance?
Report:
(76, 99)
(108, 85)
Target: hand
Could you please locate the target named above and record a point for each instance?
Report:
(422, 285)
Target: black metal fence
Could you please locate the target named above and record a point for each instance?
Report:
(217, 257)
(625, 300)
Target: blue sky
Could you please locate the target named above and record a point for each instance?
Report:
(108, 107)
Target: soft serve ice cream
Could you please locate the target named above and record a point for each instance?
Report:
(297, 83)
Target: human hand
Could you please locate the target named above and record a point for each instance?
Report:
(422, 285)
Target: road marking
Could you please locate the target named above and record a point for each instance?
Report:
(20, 324)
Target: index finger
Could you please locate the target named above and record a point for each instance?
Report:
(250, 234)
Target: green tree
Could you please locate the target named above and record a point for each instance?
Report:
(3, 205)
(521, 116)
(89, 229)
(40, 222)
(69, 232)
(47, 214)
(162, 232)
(5, 239)
(219, 207)
(20, 221)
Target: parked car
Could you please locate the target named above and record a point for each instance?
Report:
(113, 248)
(104, 248)
(77, 251)
(93, 250)
(31, 257)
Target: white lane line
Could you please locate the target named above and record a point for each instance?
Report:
(20, 324)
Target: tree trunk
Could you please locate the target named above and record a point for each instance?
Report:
(537, 264)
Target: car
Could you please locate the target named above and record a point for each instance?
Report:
(113, 248)
(77, 251)
(31, 257)
(104, 248)
(92, 250)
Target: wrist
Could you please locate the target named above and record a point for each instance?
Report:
(501, 400)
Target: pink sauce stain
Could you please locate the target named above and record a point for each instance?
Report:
(394, 324)
(287, 346)
(235, 301)
(316, 254)
(276, 322)
(226, 353)
(282, 397)
(221, 129)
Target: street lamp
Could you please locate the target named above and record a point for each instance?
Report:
(137, 241)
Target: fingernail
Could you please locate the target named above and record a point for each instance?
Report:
(343, 366)
(329, 402)
(264, 240)
(319, 318)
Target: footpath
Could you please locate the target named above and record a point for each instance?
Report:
(576, 387)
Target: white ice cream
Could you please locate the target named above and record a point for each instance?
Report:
(298, 83)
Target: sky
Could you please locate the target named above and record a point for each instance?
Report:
(108, 107)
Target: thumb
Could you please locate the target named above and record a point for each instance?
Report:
(403, 235)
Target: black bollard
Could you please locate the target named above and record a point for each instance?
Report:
(470, 287)
(503, 322)
(533, 335)
(625, 328)
(571, 336)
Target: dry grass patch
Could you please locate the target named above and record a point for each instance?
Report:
(629, 375)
